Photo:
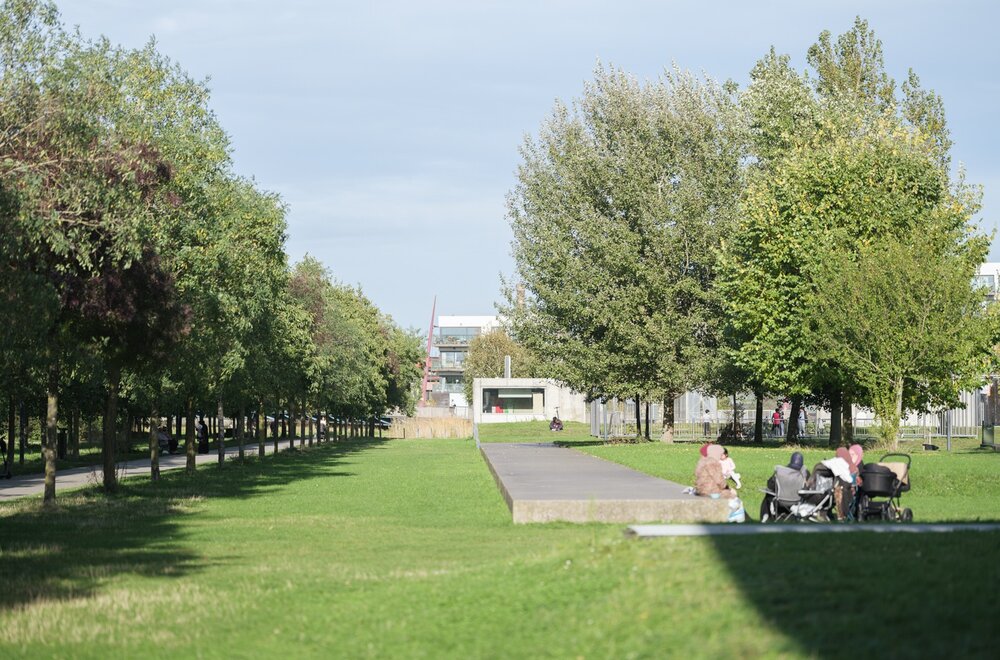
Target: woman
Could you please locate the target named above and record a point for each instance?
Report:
(708, 478)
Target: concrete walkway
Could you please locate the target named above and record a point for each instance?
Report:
(34, 484)
(544, 483)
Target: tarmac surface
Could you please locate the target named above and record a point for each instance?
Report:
(34, 484)
(545, 483)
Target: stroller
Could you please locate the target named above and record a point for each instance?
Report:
(792, 497)
(882, 484)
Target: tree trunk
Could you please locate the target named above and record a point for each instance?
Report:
(75, 433)
(647, 421)
(239, 429)
(638, 418)
(154, 445)
(261, 422)
(836, 418)
(758, 424)
(311, 430)
(221, 424)
(51, 434)
(24, 430)
(190, 449)
(668, 420)
(108, 435)
(792, 432)
(11, 430)
(899, 415)
(848, 416)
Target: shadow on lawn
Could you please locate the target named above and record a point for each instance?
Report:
(896, 595)
(66, 552)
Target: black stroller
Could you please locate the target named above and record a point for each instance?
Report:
(882, 484)
(789, 496)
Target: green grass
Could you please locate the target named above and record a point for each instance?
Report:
(405, 549)
(961, 485)
(534, 432)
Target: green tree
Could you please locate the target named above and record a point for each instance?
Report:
(486, 359)
(620, 203)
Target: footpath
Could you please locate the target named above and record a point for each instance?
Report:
(26, 485)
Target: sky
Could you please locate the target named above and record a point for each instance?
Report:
(391, 129)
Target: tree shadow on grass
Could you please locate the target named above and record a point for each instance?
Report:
(67, 551)
(877, 595)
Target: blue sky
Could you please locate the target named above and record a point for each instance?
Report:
(391, 129)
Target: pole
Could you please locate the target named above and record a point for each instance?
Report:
(427, 358)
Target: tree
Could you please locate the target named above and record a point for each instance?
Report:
(486, 359)
(619, 206)
(846, 165)
(902, 314)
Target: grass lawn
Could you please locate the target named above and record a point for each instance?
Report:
(405, 549)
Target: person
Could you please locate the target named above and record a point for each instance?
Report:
(322, 427)
(729, 469)
(202, 430)
(845, 473)
(802, 421)
(706, 424)
(3, 459)
(556, 424)
(163, 439)
(708, 479)
(776, 423)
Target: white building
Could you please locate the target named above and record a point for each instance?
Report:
(451, 345)
(524, 400)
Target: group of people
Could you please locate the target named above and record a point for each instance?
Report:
(168, 443)
(715, 475)
(778, 422)
(845, 467)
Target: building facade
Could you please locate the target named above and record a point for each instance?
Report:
(450, 347)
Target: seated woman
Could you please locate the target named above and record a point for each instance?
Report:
(556, 424)
(708, 479)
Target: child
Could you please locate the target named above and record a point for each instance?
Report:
(729, 469)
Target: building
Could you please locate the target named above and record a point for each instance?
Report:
(525, 399)
(450, 347)
(988, 277)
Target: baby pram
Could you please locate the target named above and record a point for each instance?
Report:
(790, 496)
(880, 489)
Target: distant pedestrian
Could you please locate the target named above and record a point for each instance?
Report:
(802, 421)
(202, 430)
(776, 423)
(706, 424)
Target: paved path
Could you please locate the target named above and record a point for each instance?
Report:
(34, 484)
(652, 531)
(545, 483)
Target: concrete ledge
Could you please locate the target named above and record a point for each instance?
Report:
(543, 483)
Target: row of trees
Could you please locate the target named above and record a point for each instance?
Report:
(137, 271)
(803, 237)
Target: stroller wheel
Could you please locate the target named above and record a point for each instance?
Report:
(906, 515)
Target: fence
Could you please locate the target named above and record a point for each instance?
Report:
(615, 418)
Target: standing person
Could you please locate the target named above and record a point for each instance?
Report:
(706, 424)
(202, 431)
(802, 421)
(322, 427)
(776, 423)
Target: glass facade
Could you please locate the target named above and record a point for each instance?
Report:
(988, 281)
(525, 400)
(453, 359)
(457, 335)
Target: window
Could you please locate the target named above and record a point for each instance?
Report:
(522, 400)
(457, 335)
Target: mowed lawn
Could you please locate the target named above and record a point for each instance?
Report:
(404, 548)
